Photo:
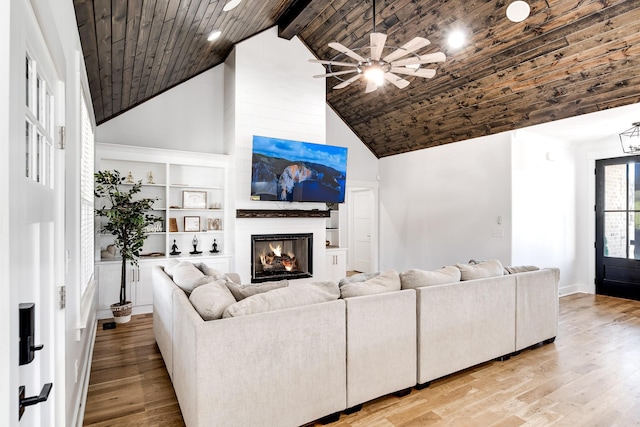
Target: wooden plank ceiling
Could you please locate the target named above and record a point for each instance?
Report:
(567, 58)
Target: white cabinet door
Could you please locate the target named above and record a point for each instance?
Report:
(109, 284)
(142, 284)
(336, 264)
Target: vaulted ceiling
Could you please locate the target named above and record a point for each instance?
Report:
(566, 59)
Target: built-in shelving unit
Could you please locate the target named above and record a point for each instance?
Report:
(191, 199)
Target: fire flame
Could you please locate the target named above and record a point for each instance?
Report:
(277, 250)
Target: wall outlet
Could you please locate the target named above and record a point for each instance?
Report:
(497, 233)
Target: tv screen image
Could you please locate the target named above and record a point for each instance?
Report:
(296, 171)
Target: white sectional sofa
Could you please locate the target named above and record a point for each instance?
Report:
(292, 366)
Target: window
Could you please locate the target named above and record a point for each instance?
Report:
(39, 126)
(87, 197)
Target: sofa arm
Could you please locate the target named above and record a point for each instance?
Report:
(463, 324)
(163, 289)
(536, 306)
(285, 367)
(381, 345)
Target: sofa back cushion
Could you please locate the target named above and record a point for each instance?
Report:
(481, 270)
(241, 292)
(415, 278)
(212, 299)
(387, 281)
(281, 298)
(520, 269)
(188, 277)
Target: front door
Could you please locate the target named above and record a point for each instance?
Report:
(618, 227)
(36, 196)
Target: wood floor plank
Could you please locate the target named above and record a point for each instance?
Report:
(590, 376)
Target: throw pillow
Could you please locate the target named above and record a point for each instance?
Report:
(414, 278)
(212, 299)
(282, 298)
(241, 292)
(360, 277)
(188, 277)
(490, 268)
(169, 266)
(387, 281)
(521, 269)
(208, 271)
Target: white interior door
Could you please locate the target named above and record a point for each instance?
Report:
(362, 226)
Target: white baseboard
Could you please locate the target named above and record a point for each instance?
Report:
(573, 289)
(81, 399)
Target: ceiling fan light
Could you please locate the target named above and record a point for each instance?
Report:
(374, 74)
(518, 11)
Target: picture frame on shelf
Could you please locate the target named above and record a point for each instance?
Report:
(194, 199)
(173, 225)
(213, 224)
(191, 223)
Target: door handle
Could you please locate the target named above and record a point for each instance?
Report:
(23, 402)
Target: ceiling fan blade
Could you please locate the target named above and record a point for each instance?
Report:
(407, 48)
(348, 82)
(429, 58)
(426, 73)
(371, 86)
(377, 45)
(337, 63)
(340, 48)
(396, 80)
(337, 73)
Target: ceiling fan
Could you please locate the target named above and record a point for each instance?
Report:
(376, 68)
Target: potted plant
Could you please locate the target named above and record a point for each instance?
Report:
(127, 219)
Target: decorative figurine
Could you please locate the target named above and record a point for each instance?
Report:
(214, 247)
(150, 176)
(130, 178)
(174, 249)
(194, 242)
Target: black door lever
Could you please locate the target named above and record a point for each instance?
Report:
(33, 400)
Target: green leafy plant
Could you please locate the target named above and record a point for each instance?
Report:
(127, 217)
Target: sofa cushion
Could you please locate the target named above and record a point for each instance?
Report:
(169, 266)
(415, 278)
(360, 277)
(387, 281)
(212, 299)
(481, 270)
(188, 277)
(520, 269)
(241, 292)
(281, 298)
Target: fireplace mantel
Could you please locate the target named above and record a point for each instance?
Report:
(281, 213)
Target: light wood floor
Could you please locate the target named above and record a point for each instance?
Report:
(590, 376)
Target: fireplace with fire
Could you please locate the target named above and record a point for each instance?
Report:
(281, 256)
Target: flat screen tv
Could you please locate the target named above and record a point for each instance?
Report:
(296, 171)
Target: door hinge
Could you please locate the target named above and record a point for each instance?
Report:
(62, 297)
(62, 140)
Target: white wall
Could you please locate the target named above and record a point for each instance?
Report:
(362, 164)
(187, 117)
(275, 95)
(440, 205)
(544, 205)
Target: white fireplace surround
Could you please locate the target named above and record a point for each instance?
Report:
(246, 227)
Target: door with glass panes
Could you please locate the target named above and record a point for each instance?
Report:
(618, 227)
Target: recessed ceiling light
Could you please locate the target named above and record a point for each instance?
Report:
(518, 11)
(230, 5)
(214, 35)
(456, 39)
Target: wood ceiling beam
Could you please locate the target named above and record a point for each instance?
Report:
(299, 15)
